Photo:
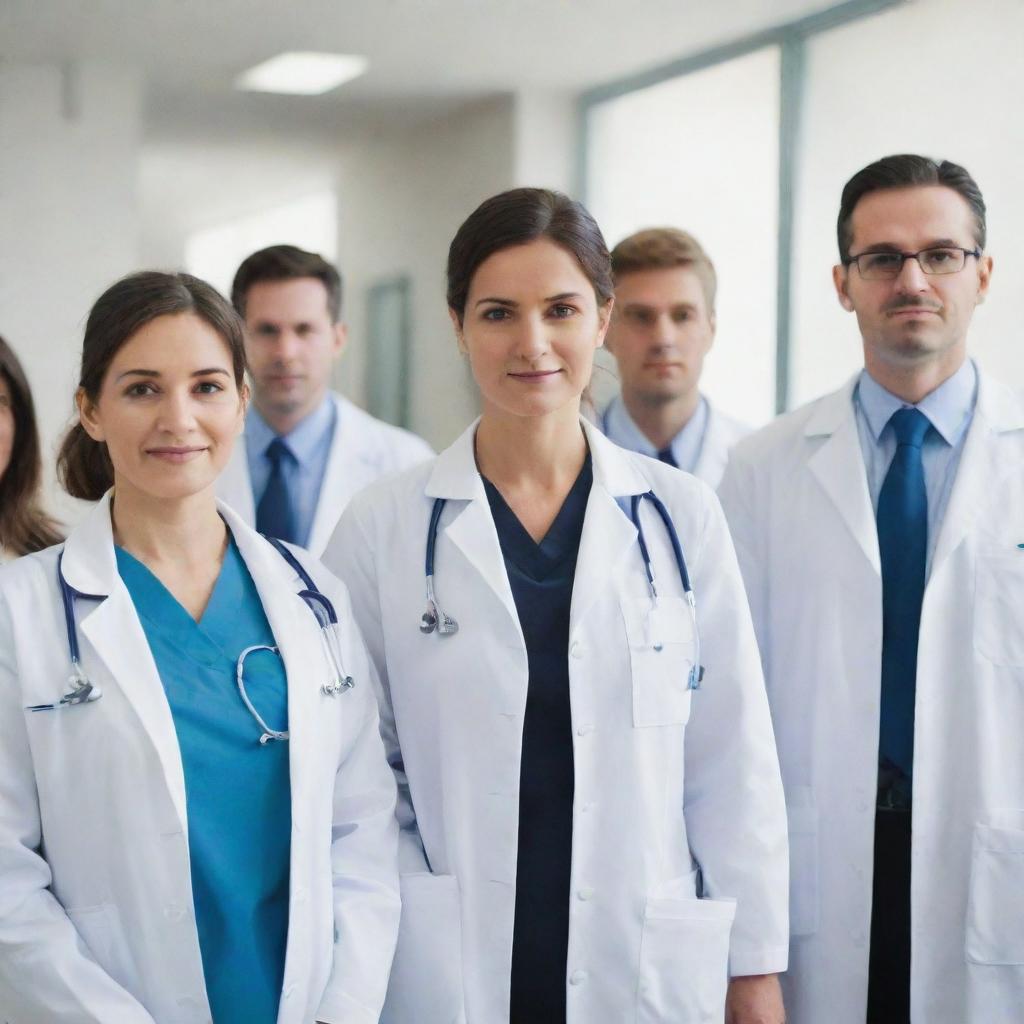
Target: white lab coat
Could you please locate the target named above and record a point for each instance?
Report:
(651, 797)
(363, 450)
(97, 925)
(721, 433)
(797, 500)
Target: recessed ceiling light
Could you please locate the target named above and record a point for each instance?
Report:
(302, 74)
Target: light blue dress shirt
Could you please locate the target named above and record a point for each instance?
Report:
(949, 408)
(237, 791)
(310, 446)
(686, 446)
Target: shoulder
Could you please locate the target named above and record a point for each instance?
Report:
(730, 430)
(392, 446)
(27, 580)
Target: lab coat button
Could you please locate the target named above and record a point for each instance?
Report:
(576, 650)
(174, 912)
(578, 977)
(859, 939)
(290, 991)
(585, 893)
(584, 729)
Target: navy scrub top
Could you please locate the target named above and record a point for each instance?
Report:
(237, 792)
(541, 576)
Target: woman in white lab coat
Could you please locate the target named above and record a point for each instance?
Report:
(196, 815)
(585, 837)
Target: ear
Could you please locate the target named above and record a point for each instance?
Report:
(244, 397)
(840, 278)
(604, 318)
(459, 335)
(984, 277)
(340, 339)
(88, 416)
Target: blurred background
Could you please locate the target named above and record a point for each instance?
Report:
(125, 143)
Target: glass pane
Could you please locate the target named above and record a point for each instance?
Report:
(387, 371)
(701, 153)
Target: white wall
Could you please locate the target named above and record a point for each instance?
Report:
(937, 77)
(69, 154)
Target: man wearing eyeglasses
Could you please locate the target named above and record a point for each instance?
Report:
(880, 531)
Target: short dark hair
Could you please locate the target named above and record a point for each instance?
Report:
(908, 170)
(24, 526)
(517, 217)
(84, 465)
(286, 263)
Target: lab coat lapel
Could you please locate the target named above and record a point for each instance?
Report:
(113, 630)
(838, 466)
(348, 471)
(986, 458)
(608, 533)
(296, 634)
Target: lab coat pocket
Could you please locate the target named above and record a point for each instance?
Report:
(803, 862)
(995, 911)
(661, 655)
(998, 595)
(684, 961)
(426, 976)
(100, 930)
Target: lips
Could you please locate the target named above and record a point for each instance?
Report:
(174, 454)
(535, 374)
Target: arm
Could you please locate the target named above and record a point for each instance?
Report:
(350, 555)
(733, 803)
(364, 859)
(46, 971)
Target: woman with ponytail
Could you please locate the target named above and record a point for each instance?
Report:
(24, 526)
(198, 824)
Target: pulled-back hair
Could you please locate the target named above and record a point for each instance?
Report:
(24, 526)
(83, 464)
(517, 217)
(908, 170)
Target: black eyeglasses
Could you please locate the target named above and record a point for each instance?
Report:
(884, 266)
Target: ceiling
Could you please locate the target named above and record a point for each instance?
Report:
(422, 52)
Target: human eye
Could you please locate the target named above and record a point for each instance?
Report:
(881, 261)
(562, 311)
(640, 317)
(141, 389)
(495, 314)
(209, 387)
(680, 316)
(941, 259)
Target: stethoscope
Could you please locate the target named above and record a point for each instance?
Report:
(84, 691)
(434, 618)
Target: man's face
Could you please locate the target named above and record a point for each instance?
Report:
(915, 317)
(661, 330)
(291, 344)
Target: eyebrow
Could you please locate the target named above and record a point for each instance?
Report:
(937, 243)
(152, 374)
(631, 306)
(560, 297)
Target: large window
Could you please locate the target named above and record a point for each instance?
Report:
(700, 152)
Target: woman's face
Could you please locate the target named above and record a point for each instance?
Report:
(530, 328)
(6, 424)
(168, 409)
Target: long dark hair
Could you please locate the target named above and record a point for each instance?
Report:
(517, 217)
(24, 526)
(83, 464)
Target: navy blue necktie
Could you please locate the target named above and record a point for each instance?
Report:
(665, 455)
(275, 515)
(903, 547)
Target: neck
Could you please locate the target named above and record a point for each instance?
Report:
(660, 421)
(284, 420)
(187, 531)
(912, 382)
(541, 450)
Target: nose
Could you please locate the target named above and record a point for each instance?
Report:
(531, 339)
(177, 414)
(911, 279)
(286, 345)
(664, 334)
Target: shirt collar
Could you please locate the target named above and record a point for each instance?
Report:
(303, 440)
(948, 407)
(685, 445)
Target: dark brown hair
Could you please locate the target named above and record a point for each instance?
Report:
(83, 464)
(520, 216)
(286, 263)
(665, 249)
(24, 527)
(908, 170)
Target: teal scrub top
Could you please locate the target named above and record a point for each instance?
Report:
(237, 790)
